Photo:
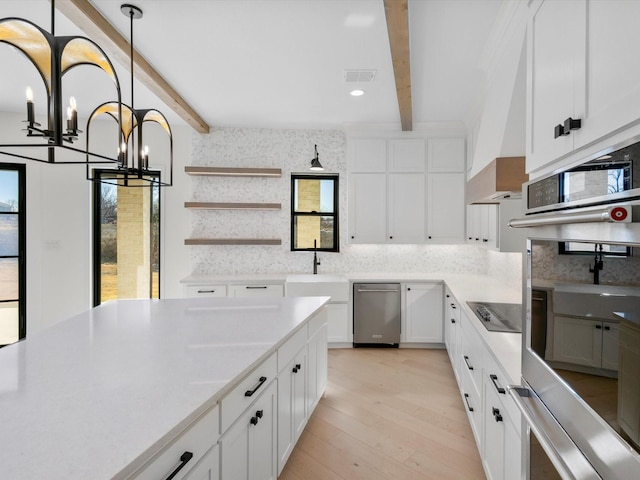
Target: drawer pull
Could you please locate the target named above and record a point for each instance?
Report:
(494, 379)
(184, 459)
(250, 393)
(496, 414)
(466, 360)
(260, 287)
(207, 291)
(297, 368)
(466, 399)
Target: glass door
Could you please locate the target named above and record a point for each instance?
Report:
(13, 326)
(126, 245)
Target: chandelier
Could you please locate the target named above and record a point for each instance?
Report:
(53, 57)
(133, 166)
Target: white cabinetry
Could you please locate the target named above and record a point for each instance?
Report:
(587, 342)
(628, 384)
(248, 448)
(195, 450)
(423, 313)
(368, 208)
(488, 225)
(208, 468)
(452, 330)
(594, 77)
(410, 198)
(292, 398)
(445, 208)
(205, 290)
(256, 290)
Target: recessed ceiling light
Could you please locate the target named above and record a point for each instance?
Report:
(357, 92)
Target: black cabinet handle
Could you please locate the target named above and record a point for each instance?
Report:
(485, 240)
(391, 238)
(250, 393)
(297, 368)
(447, 295)
(558, 131)
(254, 421)
(294, 370)
(477, 239)
(607, 328)
(466, 360)
(466, 399)
(599, 327)
(260, 413)
(206, 291)
(429, 237)
(453, 320)
(184, 459)
(496, 414)
(408, 289)
(494, 379)
(453, 306)
(261, 287)
(352, 237)
(572, 124)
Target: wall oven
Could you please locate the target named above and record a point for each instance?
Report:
(580, 393)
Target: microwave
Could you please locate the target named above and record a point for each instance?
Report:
(609, 178)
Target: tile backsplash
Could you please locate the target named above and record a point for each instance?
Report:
(292, 150)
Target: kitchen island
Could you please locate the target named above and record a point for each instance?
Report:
(101, 394)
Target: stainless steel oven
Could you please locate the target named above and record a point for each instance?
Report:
(580, 394)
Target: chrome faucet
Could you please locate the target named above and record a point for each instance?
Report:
(597, 264)
(316, 260)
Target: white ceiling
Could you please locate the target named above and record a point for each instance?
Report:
(281, 63)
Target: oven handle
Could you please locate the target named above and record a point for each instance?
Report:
(615, 214)
(563, 453)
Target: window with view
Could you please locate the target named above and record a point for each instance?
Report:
(314, 213)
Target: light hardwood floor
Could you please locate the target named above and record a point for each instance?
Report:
(387, 414)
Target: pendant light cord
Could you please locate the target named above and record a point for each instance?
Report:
(133, 150)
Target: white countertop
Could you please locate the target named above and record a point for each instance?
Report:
(97, 395)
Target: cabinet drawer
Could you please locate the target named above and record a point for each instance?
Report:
(471, 354)
(256, 290)
(241, 397)
(496, 382)
(197, 440)
(291, 347)
(472, 405)
(205, 291)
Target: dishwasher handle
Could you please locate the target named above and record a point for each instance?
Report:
(378, 290)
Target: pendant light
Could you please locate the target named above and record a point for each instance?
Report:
(133, 167)
(53, 57)
(316, 166)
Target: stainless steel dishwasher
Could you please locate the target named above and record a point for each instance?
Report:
(376, 314)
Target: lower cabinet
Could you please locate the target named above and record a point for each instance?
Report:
(493, 416)
(423, 313)
(339, 327)
(586, 342)
(248, 447)
(257, 290)
(208, 468)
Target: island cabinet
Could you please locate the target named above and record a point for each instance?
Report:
(586, 341)
(595, 80)
(423, 313)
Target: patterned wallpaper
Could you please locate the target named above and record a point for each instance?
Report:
(292, 150)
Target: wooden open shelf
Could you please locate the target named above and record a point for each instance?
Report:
(232, 206)
(233, 241)
(234, 172)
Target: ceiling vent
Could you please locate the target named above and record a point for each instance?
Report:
(359, 76)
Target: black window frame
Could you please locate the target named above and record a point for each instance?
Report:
(336, 218)
(22, 246)
(97, 230)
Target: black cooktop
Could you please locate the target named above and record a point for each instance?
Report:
(499, 317)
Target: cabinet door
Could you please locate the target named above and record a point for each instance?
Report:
(613, 70)
(208, 468)
(368, 208)
(248, 448)
(292, 400)
(555, 87)
(577, 341)
(317, 371)
(368, 155)
(445, 208)
(610, 345)
(447, 155)
(407, 155)
(339, 327)
(424, 313)
(406, 208)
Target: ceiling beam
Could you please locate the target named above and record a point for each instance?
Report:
(98, 28)
(397, 14)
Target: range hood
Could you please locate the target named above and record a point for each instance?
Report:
(502, 178)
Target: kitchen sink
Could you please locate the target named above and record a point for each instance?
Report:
(498, 317)
(308, 285)
(597, 301)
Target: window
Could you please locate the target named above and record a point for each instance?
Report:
(314, 213)
(126, 240)
(580, 248)
(13, 324)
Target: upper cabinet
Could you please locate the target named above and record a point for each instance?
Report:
(415, 196)
(583, 81)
